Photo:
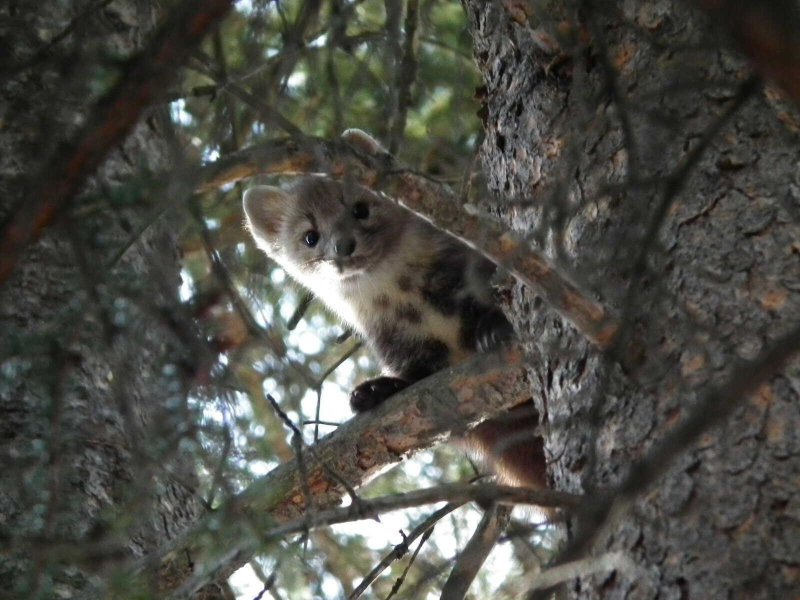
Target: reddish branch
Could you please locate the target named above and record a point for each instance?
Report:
(438, 204)
(434, 202)
(144, 79)
(447, 403)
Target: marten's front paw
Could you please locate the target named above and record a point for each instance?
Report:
(372, 392)
(493, 331)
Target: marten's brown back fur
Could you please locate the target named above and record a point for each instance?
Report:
(421, 299)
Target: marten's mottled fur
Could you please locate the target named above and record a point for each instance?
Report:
(421, 299)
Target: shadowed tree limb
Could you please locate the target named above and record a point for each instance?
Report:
(239, 543)
(143, 80)
(437, 204)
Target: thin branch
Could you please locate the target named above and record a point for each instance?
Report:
(405, 75)
(475, 553)
(298, 443)
(401, 549)
(238, 546)
(400, 580)
(302, 307)
(482, 493)
(336, 364)
(611, 561)
(225, 279)
(297, 447)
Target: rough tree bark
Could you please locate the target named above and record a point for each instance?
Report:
(93, 384)
(632, 145)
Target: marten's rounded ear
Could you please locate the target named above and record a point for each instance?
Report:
(264, 207)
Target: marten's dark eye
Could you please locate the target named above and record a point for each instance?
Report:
(360, 210)
(311, 237)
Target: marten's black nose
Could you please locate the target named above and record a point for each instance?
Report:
(344, 246)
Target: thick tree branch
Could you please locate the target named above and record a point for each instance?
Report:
(143, 79)
(447, 403)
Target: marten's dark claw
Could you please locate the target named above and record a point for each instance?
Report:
(373, 392)
(493, 331)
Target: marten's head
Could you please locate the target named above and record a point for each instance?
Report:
(323, 228)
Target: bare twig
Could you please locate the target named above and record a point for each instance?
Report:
(297, 436)
(300, 311)
(219, 269)
(297, 446)
(475, 553)
(399, 583)
(482, 493)
(238, 546)
(401, 549)
(405, 75)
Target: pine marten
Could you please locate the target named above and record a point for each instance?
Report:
(421, 299)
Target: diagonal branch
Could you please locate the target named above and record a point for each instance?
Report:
(447, 403)
(143, 80)
(434, 202)
(475, 553)
(424, 528)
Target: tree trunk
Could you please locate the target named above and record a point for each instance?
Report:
(92, 389)
(630, 143)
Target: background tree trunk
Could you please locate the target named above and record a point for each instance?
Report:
(92, 391)
(594, 124)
